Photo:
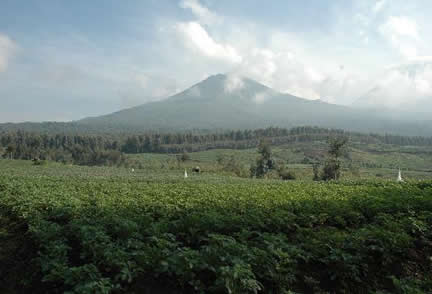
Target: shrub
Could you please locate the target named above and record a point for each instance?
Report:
(331, 170)
(286, 174)
(39, 162)
(315, 169)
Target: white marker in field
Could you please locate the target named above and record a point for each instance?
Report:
(399, 178)
(133, 170)
(185, 174)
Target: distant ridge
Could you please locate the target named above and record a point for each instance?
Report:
(225, 102)
(230, 102)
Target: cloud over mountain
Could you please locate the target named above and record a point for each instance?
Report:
(403, 33)
(124, 55)
(197, 38)
(284, 62)
(405, 87)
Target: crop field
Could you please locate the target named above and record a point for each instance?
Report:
(68, 229)
(365, 161)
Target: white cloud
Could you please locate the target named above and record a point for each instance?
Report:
(142, 80)
(379, 5)
(163, 91)
(400, 26)
(409, 51)
(304, 61)
(423, 85)
(136, 87)
(197, 38)
(262, 97)
(150, 87)
(403, 86)
(364, 36)
(60, 76)
(288, 73)
(259, 64)
(284, 60)
(234, 82)
(277, 65)
(7, 49)
(420, 59)
(362, 19)
(203, 14)
(403, 34)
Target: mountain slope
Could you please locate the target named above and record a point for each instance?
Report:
(225, 102)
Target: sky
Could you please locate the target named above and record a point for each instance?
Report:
(64, 60)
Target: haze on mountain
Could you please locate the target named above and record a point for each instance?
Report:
(403, 91)
(233, 102)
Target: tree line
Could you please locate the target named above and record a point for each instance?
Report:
(87, 149)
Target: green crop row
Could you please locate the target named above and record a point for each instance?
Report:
(75, 235)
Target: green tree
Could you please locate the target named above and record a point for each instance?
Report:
(337, 146)
(315, 169)
(264, 163)
(10, 149)
(332, 166)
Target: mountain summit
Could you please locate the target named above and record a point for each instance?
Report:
(232, 102)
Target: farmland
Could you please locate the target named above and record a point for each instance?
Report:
(107, 230)
(215, 147)
(365, 161)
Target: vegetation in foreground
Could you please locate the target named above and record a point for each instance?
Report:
(211, 234)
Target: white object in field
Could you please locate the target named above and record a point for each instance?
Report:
(185, 174)
(133, 170)
(399, 178)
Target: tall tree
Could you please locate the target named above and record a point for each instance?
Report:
(10, 149)
(264, 163)
(332, 166)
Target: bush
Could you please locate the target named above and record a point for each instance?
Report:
(331, 170)
(286, 174)
(39, 162)
(183, 157)
(233, 166)
(315, 169)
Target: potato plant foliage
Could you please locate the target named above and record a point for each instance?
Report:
(119, 235)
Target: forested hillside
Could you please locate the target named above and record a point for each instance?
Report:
(108, 149)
